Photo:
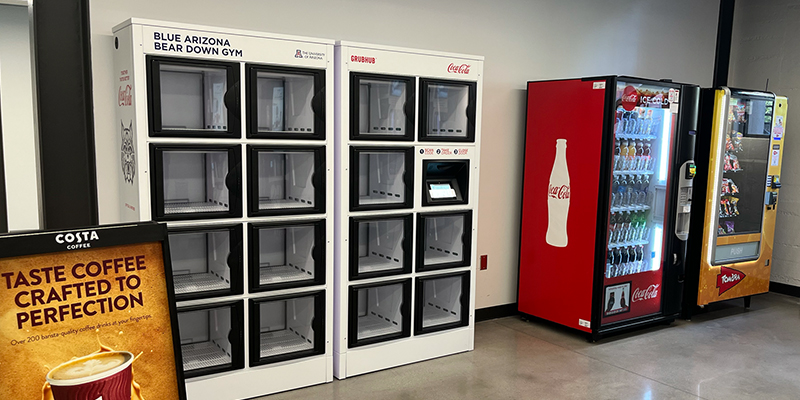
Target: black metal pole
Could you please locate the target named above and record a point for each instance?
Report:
(66, 119)
(3, 205)
(722, 59)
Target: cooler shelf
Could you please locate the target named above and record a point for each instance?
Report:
(264, 204)
(205, 282)
(372, 325)
(283, 342)
(194, 207)
(440, 256)
(282, 273)
(203, 355)
(435, 315)
(375, 263)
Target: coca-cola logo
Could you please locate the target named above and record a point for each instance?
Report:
(558, 192)
(650, 293)
(630, 98)
(125, 96)
(458, 69)
(728, 278)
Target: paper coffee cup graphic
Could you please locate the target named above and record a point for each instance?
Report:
(99, 376)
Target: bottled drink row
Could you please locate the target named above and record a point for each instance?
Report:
(639, 122)
(627, 228)
(631, 192)
(632, 155)
(626, 261)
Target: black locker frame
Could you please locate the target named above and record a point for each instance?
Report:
(317, 254)
(233, 181)
(235, 337)
(317, 180)
(318, 324)
(408, 241)
(420, 298)
(352, 314)
(355, 101)
(408, 177)
(424, 83)
(235, 260)
(231, 98)
(317, 105)
(466, 240)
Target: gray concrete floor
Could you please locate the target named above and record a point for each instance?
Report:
(728, 353)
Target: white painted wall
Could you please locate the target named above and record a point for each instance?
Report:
(521, 39)
(16, 106)
(765, 45)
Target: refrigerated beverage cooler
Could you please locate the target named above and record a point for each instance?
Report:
(407, 168)
(606, 201)
(739, 154)
(224, 136)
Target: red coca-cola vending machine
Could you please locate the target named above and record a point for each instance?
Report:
(606, 201)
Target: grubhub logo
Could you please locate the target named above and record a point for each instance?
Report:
(728, 278)
(77, 240)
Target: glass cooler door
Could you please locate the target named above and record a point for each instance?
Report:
(380, 178)
(380, 246)
(286, 328)
(381, 107)
(447, 112)
(444, 240)
(286, 180)
(286, 255)
(442, 302)
(206, 262)
(211, 338)
(285, 103)
(193, 98)
(379, 312)
(196, 182)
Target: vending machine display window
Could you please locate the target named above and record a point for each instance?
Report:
(445, 182)
(442, 302)
(447, 111)
(285, 103)
(380, 246)
(206, 262)
(381, 107)
(193, 98)
(196, 182)
(286, 328)
(286, 255)
(380, 178)
(443, 240)
(379, 312)
(287, 180)
(211, 338)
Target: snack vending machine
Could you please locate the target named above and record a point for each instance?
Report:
(224, 136)
(739, 154)
(606, 201)
(407, 167)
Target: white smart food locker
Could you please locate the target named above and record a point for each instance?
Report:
(226, 136)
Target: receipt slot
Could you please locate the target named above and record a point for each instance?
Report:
(445, 182)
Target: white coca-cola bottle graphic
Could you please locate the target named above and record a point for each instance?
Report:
(558, 198)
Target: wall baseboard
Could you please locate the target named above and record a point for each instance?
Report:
(501, 311)
(776, 287)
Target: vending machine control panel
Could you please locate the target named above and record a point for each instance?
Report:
(445, 182)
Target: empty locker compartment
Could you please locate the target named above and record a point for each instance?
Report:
(287, 327)
(285, 103)
(443, 240)
(379, 312)
(380, 246)
(196, 182)
(442, 302)
(447, 110)
(206, 262)
(211, 338)
(380, 178)
(288, 254)
(193, 98)
(288, 180)
(382, 107)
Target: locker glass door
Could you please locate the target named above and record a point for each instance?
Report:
(447, 110)
(380, 246)
(443, 240)
(284, 255)
(379, 312)
(211, 338)
(286, 328)
(442, 302)
(206, 262)
(381, 107)
(285, 103)
(286, 180)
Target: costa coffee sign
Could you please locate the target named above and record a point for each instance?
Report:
(728, 278)
(558, 192)
(650, 293)
(458, 69)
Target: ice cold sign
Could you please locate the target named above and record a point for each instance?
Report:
(194, 44)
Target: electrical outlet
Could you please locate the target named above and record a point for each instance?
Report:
(484, 262)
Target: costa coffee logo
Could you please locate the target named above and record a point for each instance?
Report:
(728, 278)
(125, 96)
(650, 293)
(362, 59)
(630, 98)
(77, 240)
(558, 192)
(458, 69)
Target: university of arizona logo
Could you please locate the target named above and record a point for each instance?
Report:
(298, 54)
(128, 154)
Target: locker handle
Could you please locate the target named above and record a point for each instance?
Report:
(234, 257)
(232, 101)
(408, 108)
(469, 110)
(318, 104)
(232, 179)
